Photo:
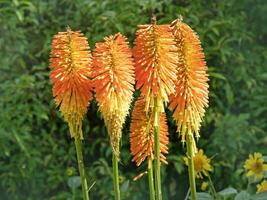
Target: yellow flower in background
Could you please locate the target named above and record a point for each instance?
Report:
(201, 164)
(255, 165)
(262, 187)
(204, 186)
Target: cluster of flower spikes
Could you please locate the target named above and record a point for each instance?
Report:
(142, 134)
(169, 64)
(191, 92)
(113, 80)
(70, 63)
(155, 55)
(155, 68)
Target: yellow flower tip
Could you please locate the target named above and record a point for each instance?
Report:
(255, 166)
(155, 55)
(142, 134)
(191, 93)
(113, 72)
(204, 185)
(202, 164)
(70, 64)
(262, 187)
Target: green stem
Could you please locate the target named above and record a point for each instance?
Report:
(116, 177)
(151, 180)
(157, 150)
(187, 194)
(189, 145)
(212, 188)
(78, 146)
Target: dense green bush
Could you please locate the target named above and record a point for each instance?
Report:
(37, 157)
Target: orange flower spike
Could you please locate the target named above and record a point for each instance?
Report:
(114, 84)
(70, 63)
(142, 134)
(191, 95)
(155, 56)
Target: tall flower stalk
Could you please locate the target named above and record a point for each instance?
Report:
(113, 83)
(155, 55)
(70, 63)
(191, 92)
(142, 139)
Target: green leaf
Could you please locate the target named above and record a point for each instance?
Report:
(215, 30)
(125, 186)
(229, 94)
(74, 181)
(217, 75)
(19, 15)
(227, 191)
(263, 76)
(243, 195)
(260, 196)
(179, 167)
(204, 196)
(177, 162)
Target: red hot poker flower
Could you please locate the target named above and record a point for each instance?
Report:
(70, 63)
(114, 84)
(142, 134)
(191, 95)
(155, 55)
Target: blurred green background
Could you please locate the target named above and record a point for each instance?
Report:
(37, 156)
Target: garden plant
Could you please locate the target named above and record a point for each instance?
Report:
(133, 100)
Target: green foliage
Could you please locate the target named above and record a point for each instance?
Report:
(232, 194)
(37, 158)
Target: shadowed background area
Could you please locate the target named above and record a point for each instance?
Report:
(37, 157)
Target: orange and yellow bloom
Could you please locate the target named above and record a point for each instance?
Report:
(114, 84)
(191, 91)
(142, 134)
(255, 166)
(70, 63)
(155, 55)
